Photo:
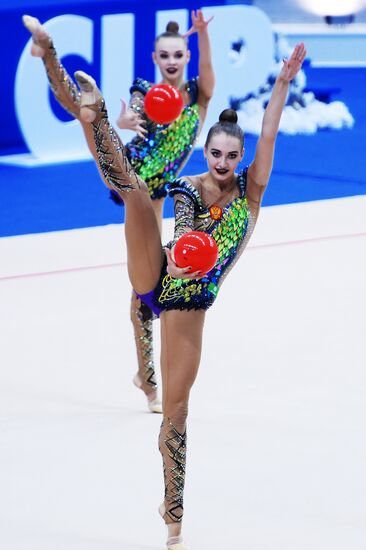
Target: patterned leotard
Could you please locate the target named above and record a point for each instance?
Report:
(159, 157)
(231, 233)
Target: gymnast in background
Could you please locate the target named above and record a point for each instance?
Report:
(151, 147)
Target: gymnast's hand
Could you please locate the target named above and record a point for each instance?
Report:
(199, 23)
(292, 66)
(129, 120)
(179, 272)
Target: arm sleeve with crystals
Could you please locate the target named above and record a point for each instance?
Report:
(184, 215)
(192, 89)
(138, 91)
(186, 201)
(137, 103)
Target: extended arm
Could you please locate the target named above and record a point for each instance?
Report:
(260, 169)
(206, 76)
(130, 117)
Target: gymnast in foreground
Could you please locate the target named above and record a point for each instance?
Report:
(220, 202)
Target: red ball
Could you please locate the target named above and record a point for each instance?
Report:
(163, 103)
(196, 249)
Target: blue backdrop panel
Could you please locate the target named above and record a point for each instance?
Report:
(326, 165)
(14, 37)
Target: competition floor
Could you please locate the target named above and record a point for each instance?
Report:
(277, 446)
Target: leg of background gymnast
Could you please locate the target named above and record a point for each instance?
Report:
(181, 331)
(63, 87)
(68, 95)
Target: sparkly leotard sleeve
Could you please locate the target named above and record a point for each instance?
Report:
(231, 233)
(159, 157)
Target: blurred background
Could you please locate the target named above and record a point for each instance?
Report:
(47, 180)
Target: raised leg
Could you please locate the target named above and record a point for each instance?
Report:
(158, 206)
(64, 88)
(181, 337)
(144, 249)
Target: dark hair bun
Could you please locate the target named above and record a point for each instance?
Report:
(228, 115)
(172, 26)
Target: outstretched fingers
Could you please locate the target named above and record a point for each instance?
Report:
(198, 23)
(293, 65)
(298, 55)
(299, 52)
(129, 120)
(121, 116)
(198, 19)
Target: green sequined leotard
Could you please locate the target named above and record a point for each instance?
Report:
(159, 157)
(231, 234)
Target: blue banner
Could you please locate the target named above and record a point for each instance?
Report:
(113, 41)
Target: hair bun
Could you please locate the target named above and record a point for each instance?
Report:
(228, 115)
(172, 26)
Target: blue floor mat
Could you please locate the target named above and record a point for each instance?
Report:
(326, 165)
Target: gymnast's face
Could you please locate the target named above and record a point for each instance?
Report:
(171, 55)
(223, 154)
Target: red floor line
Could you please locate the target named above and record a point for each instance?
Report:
(120, 264)
(305, 241)
(59, 271)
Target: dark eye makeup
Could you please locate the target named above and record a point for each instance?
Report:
(164, 55)
(216, 153)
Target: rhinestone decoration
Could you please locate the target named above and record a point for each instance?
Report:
(144, 342)
(229, 233)
(173, 447)
(162, 153)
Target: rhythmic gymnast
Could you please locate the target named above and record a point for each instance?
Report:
(220, 202)
(152, 145)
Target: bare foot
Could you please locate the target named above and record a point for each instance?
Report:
(39, 35)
